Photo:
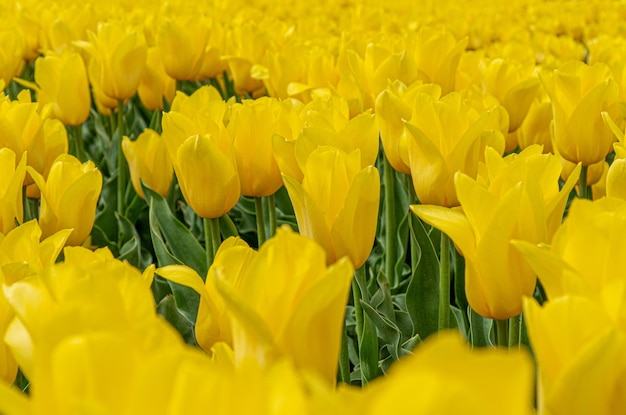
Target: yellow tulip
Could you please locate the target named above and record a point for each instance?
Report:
(393, 107)
(585, 357)
(213, 322)
(11, 60)
(252, 125)
(337, 203)
(148, 161)
(202, 153)
(69, 197)
(535, 128)
(155, 84)
(11, 204)
(579, 94)
(445, 376)
(616, 179)
(24, 129)
(62, 81)
(118, 57)
(288, 302)
(181, 44)
(22, 255)
(521, 201)
(448, 136)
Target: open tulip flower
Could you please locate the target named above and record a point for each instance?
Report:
(148, 161)
(69, 197)
(522, 201)
(337, 203)
(579, 94)
(11, 207)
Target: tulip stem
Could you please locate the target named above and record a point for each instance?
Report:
(212, 239)
(77, 131)
(27, 214)
(444, 283)
(412, 218)
(359, 276)
(271, 205)
(502, 333)
(515, 330)
(344, 358)
(260, 220)
(121, 172)
(584, 191)
(390, 223)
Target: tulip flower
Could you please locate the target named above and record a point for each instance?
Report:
(522, 201)
(24, 129)
(337, 203)
(11, 60)
(62, 82)
(202, 153)
(616, 179)
(448, 136)
(155, 84)
(535, 128)
(445, 376)
(181, 44)
(579, 94)
(213, 322)
(22, 255)
(118, 57)
(11, 207)
(148, 161)
(69, 197)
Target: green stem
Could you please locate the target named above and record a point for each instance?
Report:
(208, 242)
(502, 333)
(155, 121)
(344, 359)
(78, 142)
(514, 331)
(390, 223)
(260, 220)
(412, 218)
(357, 283)
(121, 163)
(271, 202)
(179, 85)
(27, 214)
(584, 191)
(444, 283)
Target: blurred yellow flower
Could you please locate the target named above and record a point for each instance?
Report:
(148, 161)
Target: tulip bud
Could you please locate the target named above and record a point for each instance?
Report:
(148, 161)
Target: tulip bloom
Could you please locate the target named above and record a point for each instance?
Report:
(485, 381)
(118, 57)
(448, 136)
(579, 94)
(155, 83)
(522, 201)
(11, 60)
(148, 161)
(62, 82)
(11, 185)
(69, 197)
(181, 45)
(337, 203)
(202, 153)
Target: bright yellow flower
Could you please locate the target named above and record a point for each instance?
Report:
(11, 60)
(616, 179)
(181, 44)
(11, 182)
(69, 197)
(445, 376)
(148, 161)
(62, 81)
(521, 201)
(118, 57)
(579, 94)
(337, 203)
(448, 136)
(155, 84)
(535, 128)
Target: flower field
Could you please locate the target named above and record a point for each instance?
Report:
(338, 207)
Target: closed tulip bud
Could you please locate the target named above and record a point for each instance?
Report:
(337, 203)
(181, 45)
(155, 84)
(448, 136)
(118, 57)
(62, 81)
(579, 94)
(616, 179)
(11, 205)
(522, 201)
(11, 60)
(149, 162)
(535, 128)
(69, 197)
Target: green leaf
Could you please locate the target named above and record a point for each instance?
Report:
(368, 350)
(422, 296)
(480, 329)
(386, 329)
(167, 308)
(459, 319)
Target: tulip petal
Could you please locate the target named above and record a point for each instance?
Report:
(452, 223)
